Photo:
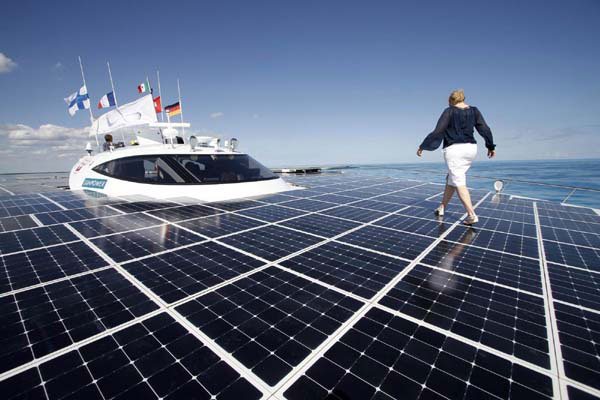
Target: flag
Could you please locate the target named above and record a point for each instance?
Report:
(143, 87)
(157, 105)
(78, 100)
(173, 109)
(108, 100)
(139, 112)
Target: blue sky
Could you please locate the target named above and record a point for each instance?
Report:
(311, 82)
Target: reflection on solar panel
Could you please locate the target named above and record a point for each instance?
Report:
(349, 289)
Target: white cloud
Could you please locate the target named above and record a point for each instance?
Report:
(6, 64)
(58, 66)
(21, 132)
(216, 114)
(255, 116)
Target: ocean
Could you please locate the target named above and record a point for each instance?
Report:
(522, 178)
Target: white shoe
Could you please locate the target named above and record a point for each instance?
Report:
(471, 219)
(439, 211)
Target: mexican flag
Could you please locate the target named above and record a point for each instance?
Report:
(143, 87)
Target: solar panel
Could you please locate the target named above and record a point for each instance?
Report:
(356, 271)
(388, 357)
(58, 217)
(43, 320)
(308, 204)
(321, 225)
(428, 213)
(271, 213)
(354, 213)
(414, 225)
(271, 320)
(120, 223)
(129, 245)
(271, 242)
(576, 256)
(571, 237)
(492, 266)
(15, 223)
(342, 290)
(156, 358)
(508, 321)
(388, 241)
(579, 333)
(220, 225)
(33, 267)
(505, 242)
(178, 274)
(184, 212)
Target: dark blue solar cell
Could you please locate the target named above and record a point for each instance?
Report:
(181, 273)
(114, 224)
(355, 270)
(220, 225)
(388, 241)
(271, 320)
(271, 213)
(496, 267)
(509, 321)
(271, 242)
(15, 223)
(11, 242)
(320, 225)
(134, 244)
(122, 371)
(397, 361)
(33, 267)
(181, 213)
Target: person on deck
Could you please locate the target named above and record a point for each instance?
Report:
(108, 143)
(455, 130)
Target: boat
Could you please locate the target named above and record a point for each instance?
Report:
(172, 166)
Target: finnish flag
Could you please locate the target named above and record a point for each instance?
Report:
(78, 100)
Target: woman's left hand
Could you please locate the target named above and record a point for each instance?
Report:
(420, 152)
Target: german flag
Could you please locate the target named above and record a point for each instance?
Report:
(173, 109)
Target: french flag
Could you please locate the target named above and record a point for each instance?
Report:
(108, 100)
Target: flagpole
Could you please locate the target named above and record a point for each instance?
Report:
(85, 84)
(114, 95)
(180, 108)
(162, 112)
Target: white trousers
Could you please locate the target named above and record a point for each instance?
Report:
(458, 159)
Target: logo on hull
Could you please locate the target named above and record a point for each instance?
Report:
(94, 183)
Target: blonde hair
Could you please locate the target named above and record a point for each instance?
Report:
(457, 96)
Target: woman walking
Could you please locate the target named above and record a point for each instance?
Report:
(455, 129)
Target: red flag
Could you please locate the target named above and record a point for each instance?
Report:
(157, 105)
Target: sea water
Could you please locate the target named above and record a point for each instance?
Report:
(523, 178)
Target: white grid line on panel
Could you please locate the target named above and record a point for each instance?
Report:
(37, 221)
(553, 339)
(6, 190)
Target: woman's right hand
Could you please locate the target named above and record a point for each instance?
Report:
(491, 153)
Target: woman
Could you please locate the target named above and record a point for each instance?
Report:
(455, 129)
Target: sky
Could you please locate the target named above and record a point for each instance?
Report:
(310, 82)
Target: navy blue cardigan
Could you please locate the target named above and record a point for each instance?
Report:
(456, 126)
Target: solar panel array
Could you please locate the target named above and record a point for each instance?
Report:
(350, 288)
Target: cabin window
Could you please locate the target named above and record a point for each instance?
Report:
(176, 169)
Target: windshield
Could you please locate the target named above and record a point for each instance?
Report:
(186, 169)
